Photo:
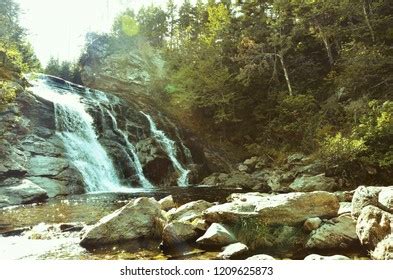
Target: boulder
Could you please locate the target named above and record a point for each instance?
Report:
(23, 193)
(189, 211)
(243, 168)
(261, 257)
(178, 232)
(384, 249)
(315, 257)
(313, 183)
(47, 166)
(373, 225)
(363, 197)
(385, 198)
(337, 233)
(140, 218)
(167, 203)
(345, 207)
(296, 158)
(282, 209)
(312, 224)
(217, 235)
(233, 251)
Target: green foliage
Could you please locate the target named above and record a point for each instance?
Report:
(7, 93)
(371, 141)
(65, 70)
(296, 120)
(125, 25)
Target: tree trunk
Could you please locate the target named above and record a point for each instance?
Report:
(284, 68)
(366, 16)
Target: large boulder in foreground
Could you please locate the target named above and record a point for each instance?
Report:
(282, 209)
(380, 197)
(384, 249)
(189, 211)
(373, 225)
(24, 193)
(140, 218)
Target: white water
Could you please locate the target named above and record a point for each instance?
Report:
(135, 159)
(75, 127)
(170, 149)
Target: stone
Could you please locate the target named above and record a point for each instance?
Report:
(47, 166)
(363, 197)
(315, 257)
(217, 235)
(261, 257)
(282, 209)
(178, 232)
(251, 162)
(385, 197)
(189, 211)
(313, 183)
(167, 203)
(53, 187)
(23, 193)
(312, 224)
(277, 180)
(247, 197)
(373, 225)
(233, 251)
(384, 249)
(140, 218)
(243, 168)
(345, 207)
(200, 224)
(338, 233)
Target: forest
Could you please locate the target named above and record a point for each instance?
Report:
(273, 77)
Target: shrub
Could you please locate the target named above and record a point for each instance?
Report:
(7, 93)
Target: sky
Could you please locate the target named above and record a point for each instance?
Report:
(58, 27)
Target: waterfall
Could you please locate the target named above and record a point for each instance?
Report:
(135, 159)
(75, 128)
(170, 149)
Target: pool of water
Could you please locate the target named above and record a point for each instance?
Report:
(34, 231)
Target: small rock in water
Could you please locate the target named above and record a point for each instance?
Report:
(232, 251)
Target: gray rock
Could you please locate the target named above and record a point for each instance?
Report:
(312, 224)
(140, 218)
(47, 166)
(385, 197)
(315, 257)
(178, 232)
(296, 158)
(337, 233)
(373, 225)
(313, 183)
(261, 257)
(363, 197)
(167, 203)
(189, 211)
(282, 209)
(217, 235)
(345, 207)
(26, 192)
(53, 187)
(233, 251)
(384, 249)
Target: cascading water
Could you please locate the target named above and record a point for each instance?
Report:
(170, 149)
(135, 159)
(75, 127)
